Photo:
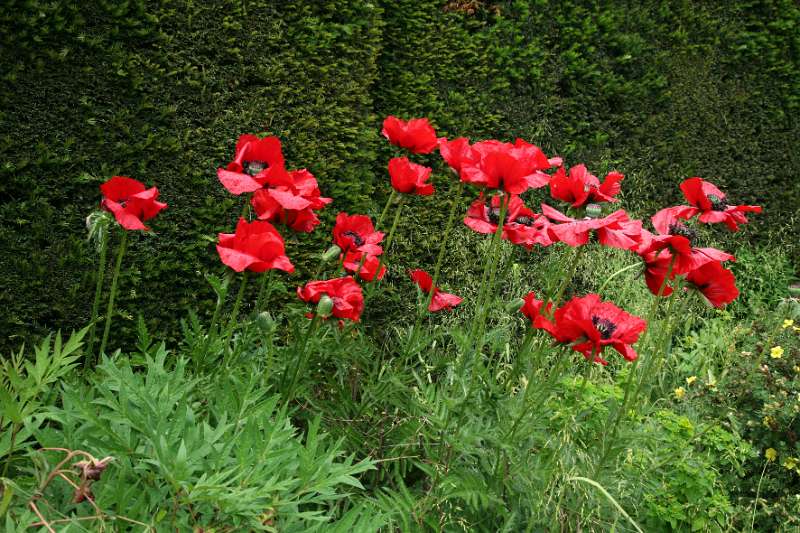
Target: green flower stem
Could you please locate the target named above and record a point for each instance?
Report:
(235, 311)
(389, 238)
(487, 279)
(385, 211)
(632, 375)
(265, 291)
(98, 291)
(576, 257)
(114, 281)
(615, 274)
(301, 358)
(438, 268)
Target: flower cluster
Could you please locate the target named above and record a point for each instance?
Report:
(502, 172)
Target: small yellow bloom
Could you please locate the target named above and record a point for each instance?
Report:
(790, 463)
(788, 323)
(776, 352)
(767, 421)
(680, 392)
(691, 379)
(771, 454)
(796, 328)
(796, 368)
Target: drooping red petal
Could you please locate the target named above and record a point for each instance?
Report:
(716, 283)
(237, 182)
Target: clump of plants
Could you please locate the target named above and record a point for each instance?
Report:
(446, 422)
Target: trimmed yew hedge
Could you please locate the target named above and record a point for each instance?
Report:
(161, 90)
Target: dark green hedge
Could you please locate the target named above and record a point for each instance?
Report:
(160, 91)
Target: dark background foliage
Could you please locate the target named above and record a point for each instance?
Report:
(161, 90)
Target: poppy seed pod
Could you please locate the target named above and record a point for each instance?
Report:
(515, 305)
(594, 211)
(265, 322)
(325, 306)
(331, 254)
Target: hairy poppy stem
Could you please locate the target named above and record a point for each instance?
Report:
(265, 291)
(110, 310)
(235, 311)
(576, 257)
(385, 209)
(632, 375)
(615, 274)
(98, 291)
(437, 270)
(487, 279)
(301, 358)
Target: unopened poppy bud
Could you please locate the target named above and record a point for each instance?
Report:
(325, 306)
(594, 211)
(331, 253)
(515, 305)
(265, 322)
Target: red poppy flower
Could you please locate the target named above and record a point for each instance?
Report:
(533, 310)
(521, 226)
(130, 202)
(256, 246)
(292, 200)
(356, 232)
(527, 228)
(366, 265)
(509, 167)
(416, 135)
(716, 283)
(456, 152)
(441, 300)
(581, 187)
(410, 178)
(589, 325)
(348, 300)
(712, 205)
(656, 266)
(615, 230)
(256, 161)
(678, 238)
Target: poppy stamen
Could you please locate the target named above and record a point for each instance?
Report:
(605, 326)
(254, 167)
(357, 240)
(717, 203)
(682, 230)
(525, 221)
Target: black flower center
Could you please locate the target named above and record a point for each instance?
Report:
(525, 221)
(682, 230)
(604, 326)
(357, 240)
(254, 167)
(494, 215)
(717, 203)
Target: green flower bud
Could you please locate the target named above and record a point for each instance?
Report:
(594, 211)
(325, 306)
(265, 322)
(515, 305)
(331, 253)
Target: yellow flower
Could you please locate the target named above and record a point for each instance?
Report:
(770, 454)
(767, 421)
(790, 463)
(691, 379)
(788, 323)
(776, 352)
(680, 392)
(796, 368)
